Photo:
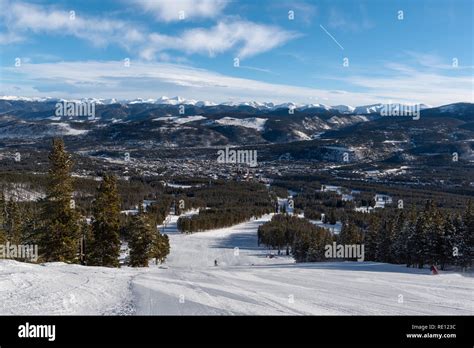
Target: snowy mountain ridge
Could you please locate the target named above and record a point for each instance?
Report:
(163, 100)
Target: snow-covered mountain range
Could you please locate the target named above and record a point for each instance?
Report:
(344, 109)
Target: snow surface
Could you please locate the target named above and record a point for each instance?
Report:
(180, 120)
(251, 122)
(67, 130)
(246, 281)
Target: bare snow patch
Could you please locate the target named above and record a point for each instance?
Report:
(180, 120)
(251, 122)
(66, 129)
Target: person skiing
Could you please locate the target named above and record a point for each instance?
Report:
(434, 270)
(215, 262)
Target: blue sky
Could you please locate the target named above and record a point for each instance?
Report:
(422, 54)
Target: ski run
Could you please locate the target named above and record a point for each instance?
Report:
(245, 281)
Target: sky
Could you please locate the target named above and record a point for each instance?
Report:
(330, 52)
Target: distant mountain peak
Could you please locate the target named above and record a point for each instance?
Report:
(178, 100)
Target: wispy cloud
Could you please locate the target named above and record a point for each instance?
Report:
(304, 12)
(21, 18)
(152, 79)
(407, 83)
(244, 37)
(355, 21)
(171, 10)
(434, 61)
(9, 38)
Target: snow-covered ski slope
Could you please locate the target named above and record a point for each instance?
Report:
(245, 281)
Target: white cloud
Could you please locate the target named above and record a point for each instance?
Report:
(247, 38)
(9, 37)
(151, 80)
(433, 61)
(20, 18)
(404, 83)
(169, 10)
(355, 21)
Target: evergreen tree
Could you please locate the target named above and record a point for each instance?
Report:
(29, 224)
(419, 240)
(350, 234)
(370, 238)
(3, 233)
(142, 235)
(400, 237)
(410, 246)
(60, 239)
(13, 223)
(104, 246)
(448, 243)
(434, 234)
(161, 247)
(469, 233)
(464, 237)
(332, 217)
(3, 213)
(384, 241)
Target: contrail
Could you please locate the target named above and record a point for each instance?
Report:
(332, 37)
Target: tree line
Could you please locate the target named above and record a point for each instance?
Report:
(302, 239)
(430, 236)
(226, 205)
(209, 219)
(417, 237)
(64, 234)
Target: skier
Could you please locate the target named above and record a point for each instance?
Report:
(434, 270)
(215, 262)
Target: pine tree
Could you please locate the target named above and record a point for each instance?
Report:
(419, 240)
(332, 217)
(161, 247)
(469, 233)
(384, 241)
(464, 237)
(30, 217)
(350, 234)
(370, 238)
(447, 243)
(60, 240)
(3, 234)
(434, 235)
(410, 246)
(13, 223)
(142, 235)
(3, 212)
(400, 236)
(104, 246)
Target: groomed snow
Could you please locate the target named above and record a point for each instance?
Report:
(58, 288)
(246, 281)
